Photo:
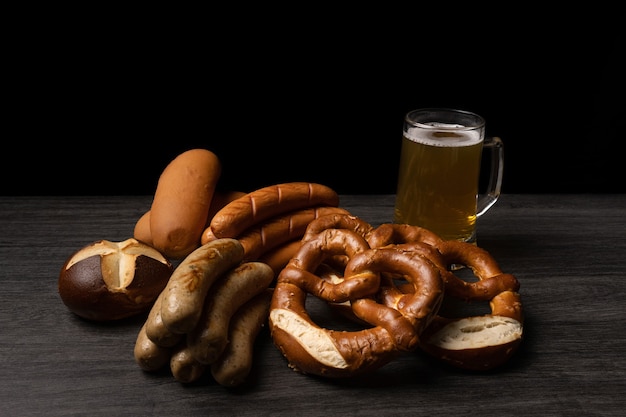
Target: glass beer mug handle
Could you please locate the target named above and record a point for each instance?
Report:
(485, 201)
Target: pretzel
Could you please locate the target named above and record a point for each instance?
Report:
(473, 343)
(477, 342)
(338, 221)
(491, 280)
(392, 233)
(312, 349)
(405, 237)
(328, 243)
(418, 306)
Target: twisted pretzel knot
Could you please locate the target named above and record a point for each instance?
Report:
(502, 327)
(393, 279)
(392, 329)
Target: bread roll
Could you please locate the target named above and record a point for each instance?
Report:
(113, 280)
(180, 208)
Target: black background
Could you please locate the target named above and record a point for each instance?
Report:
(99, 103)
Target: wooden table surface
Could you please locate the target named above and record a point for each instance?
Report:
(567, 251)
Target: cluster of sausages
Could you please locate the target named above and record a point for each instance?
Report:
(270, 221)
(208, 316)
(231, 249)
(394, 279)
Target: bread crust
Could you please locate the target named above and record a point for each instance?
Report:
(182, 200)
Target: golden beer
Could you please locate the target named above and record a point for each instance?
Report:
(438, 181)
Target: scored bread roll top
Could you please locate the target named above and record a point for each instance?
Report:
(108, 280)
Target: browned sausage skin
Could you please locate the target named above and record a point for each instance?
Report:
(265, 203)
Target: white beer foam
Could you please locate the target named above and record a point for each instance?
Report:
(449, 136)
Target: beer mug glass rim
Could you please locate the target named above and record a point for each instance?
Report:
(435, 118)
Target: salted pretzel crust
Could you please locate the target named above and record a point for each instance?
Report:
(393, 279)
(391, 330)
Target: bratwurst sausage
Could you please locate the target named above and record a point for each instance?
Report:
(280, 229)
(210, 336)
(234, 365)
(187, 288)
(264, 203)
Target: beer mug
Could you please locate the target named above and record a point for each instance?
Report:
(439, 175)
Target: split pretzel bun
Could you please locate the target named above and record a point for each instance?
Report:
(477, 343)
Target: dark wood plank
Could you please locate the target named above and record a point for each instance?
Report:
(566, 250)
